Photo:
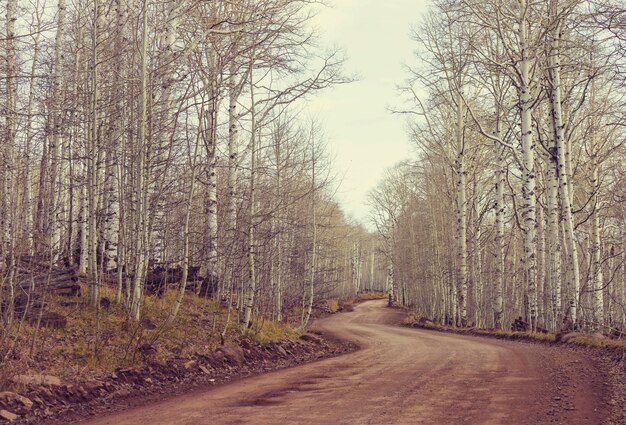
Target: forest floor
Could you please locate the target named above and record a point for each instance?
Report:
(405, 376)
(100, 361)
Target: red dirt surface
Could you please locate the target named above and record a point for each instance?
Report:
(400, 376)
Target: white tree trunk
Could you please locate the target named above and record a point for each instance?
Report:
(529, 221)
(233, 153)
(572, 282)
(30, 134)
(140, 195)
(8, 146)
(112, 221)
(251, 287)
(461, 200)
(313, 272)
(233, 163)
(210, 142)
(391, 287)
(372, 268)
(554, 236)
(356, 266)
(541, 266)
(498, 307)
(595, 276)
(57, 142)
(83, 220)
(92, 161)
(212, 256)
(278, 280)
(77, 176)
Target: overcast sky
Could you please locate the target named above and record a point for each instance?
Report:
(362, 136)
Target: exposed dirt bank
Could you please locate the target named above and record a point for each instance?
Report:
(51, 401)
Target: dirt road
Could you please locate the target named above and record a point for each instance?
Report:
(400, 376)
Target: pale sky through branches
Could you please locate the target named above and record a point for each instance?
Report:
(363, 136)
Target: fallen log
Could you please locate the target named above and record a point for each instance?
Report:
(47, 319)
(68, 291)
(43, 282)
(50, 272)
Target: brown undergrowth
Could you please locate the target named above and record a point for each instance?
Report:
(367, 296)
(94, 342)
(573, 338)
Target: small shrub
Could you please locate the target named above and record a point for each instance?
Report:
(346, 305)
(410, 319)
(333, 306)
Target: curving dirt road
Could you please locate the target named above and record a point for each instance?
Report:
(400, 376)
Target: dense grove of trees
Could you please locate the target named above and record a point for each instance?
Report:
(516, 202)
(140, 136)
(143, 139)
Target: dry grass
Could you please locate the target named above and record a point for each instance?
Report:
(590, 341)
(332, 306)
(365, 296)
(94, 342)
(537, 336)
(411, 320)
(269, 332)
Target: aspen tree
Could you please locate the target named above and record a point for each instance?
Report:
(554, 73)
(114, 191)
(57, 141)
(92, 158)
(308, 307)
(211, 194)
(30, 135)
(498, 306)
(186, 230)
(541, 265)
(357, 263)
(211, 78)
(7, 170)
(554, 239)
(236, 83)
(596, 276)
(526, 99)
(11, 126)
(461, 175)
(251, 287)
(140, 189)
(278, 222)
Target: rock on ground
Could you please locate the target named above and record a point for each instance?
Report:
(8, 416)
(37, 380)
